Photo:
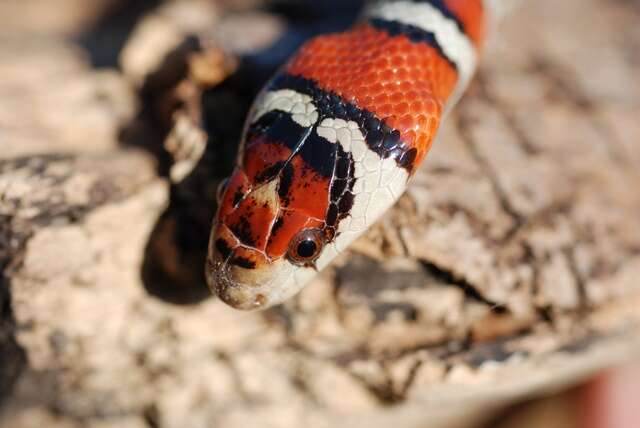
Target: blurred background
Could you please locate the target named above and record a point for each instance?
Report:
(55, 53)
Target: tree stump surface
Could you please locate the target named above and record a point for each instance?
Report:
(509, 269)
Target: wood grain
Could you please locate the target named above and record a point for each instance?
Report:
(509, 269)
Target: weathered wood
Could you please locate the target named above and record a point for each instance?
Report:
(509, 269)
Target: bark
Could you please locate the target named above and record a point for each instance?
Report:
(509, 269)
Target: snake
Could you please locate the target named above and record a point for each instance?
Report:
(332, 140)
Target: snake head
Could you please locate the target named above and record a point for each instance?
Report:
(262, 249)
(272, 227)
(307, 182)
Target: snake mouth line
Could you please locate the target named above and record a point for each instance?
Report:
(236, 294)
(252, 288)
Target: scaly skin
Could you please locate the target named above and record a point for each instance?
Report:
(332, 141)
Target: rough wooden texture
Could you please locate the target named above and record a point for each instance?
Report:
(510, 267)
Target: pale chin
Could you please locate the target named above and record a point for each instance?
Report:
(257, 289)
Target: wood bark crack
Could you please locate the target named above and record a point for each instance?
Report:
(509, 268)
(448, 277)
(464, 124)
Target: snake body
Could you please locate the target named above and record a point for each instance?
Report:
(332, 141)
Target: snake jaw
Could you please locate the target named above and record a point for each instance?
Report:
(259, 286)
(227, 290)
(267, 290)
(229, 287)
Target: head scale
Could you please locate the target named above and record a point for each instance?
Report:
(278, 211)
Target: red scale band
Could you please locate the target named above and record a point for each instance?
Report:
(403, 83)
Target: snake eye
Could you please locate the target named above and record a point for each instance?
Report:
(305, 247)
(222, 187)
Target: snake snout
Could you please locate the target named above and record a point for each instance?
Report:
(238, 286)
(245, 279)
